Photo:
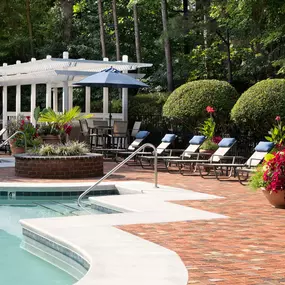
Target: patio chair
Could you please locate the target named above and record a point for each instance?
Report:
(85, 131)
(119, 134)
(249, 166)
(135, 129)
(148, 157)
(100, 133)
(224, 146)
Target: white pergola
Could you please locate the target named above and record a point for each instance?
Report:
(61, 73)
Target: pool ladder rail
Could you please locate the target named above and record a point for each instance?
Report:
(117, 168)
(12, 136)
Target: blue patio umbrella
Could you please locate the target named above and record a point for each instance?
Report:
(111, 78)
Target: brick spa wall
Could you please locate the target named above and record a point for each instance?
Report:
(59, 167)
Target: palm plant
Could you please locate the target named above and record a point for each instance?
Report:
(60, 121)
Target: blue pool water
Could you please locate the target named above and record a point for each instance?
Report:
(17, 266)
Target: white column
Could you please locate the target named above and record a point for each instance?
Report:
(33, 98)
(125, 95)
(4, 108)
(106, 98)
(48, 95)
(65, 96)
(87, 100)
(33, 102)
(18, 95)
(70, 92)
(55, 99)
(65, 90)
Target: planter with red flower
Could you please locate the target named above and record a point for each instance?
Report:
(23, 124)
(207, 129)
(270, 177)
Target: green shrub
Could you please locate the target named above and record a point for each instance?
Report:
(68, 149)
(256, 109)
(146, 104)
(189, 101)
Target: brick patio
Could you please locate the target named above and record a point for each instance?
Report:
(247, 248)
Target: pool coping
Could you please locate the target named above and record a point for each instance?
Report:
(149, 205)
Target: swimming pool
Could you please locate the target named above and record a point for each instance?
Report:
(17, 265)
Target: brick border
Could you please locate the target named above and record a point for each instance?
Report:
(59, 167)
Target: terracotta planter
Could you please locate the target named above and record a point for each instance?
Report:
(51, 139)
(16, 150)
(276, 199)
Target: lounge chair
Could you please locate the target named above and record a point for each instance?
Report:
(249, 166)
(193, 147)
(3, 146)
(139, 138)
(224, 146)
(148, 157)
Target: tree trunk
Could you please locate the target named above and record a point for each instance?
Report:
(167, 46)
(115, 19)
(102, 30)
(229, 62)
(186, 29)
(30, 28)
(67, 11)
(137, 33)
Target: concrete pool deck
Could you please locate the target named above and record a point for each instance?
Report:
(125, 258)
(248, 248)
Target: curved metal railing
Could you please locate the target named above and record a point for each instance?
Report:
(118, 167)
(16, 133)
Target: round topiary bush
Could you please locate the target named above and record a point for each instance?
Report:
(189, 101)
(256, 109)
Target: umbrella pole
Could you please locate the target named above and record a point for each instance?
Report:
(110, 113)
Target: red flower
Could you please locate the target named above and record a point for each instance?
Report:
(277, 118)
(22, 122)
(216, 139)
(210, 109)
(67, 129)
(28, 118)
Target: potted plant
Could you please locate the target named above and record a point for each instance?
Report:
(23, 124)
(56, 126)
(207, 129)
(270, 177)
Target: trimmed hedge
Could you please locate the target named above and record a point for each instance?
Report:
(147, 104)
(189, 101)
(256, 109)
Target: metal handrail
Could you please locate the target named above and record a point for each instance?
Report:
(119, 166)
(18, 132)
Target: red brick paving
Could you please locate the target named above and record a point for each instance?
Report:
(247, 248)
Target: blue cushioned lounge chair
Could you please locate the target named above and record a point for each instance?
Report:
(250, 165)
(224, 146)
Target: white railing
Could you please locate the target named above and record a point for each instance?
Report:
(118, 167)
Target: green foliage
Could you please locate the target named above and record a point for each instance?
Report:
(207, 129)
(147, 104)
(209, 145)
(69, 149)
(257, 108)
(277, 133)
(189, 101)
(256, 180)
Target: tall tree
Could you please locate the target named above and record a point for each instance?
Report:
(167, 46)
(67, 11)
(102, 30)
(30, 28)
(137, 33)
(115, 19)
